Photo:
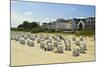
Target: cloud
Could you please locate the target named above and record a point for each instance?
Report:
(13, 2)
(18, 18)
(29, 13)
(73, 8)
(48, 19)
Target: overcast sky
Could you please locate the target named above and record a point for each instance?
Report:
(45, 12)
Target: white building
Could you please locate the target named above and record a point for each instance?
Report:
(72, 24)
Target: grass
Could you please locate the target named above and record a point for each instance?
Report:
(85, 32)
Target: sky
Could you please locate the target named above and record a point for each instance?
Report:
(45, 12)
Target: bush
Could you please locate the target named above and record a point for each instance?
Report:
(38, 29)
(17, 29)
(86, 32)
(51, 30)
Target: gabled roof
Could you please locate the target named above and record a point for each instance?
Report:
(76, 20)
(84, 20)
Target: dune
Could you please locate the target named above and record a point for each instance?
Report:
(25, 55)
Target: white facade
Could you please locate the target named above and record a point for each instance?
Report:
(72, 24)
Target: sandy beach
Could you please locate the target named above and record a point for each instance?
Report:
(26, 55)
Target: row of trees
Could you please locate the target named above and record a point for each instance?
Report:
(28, 25)
(33, 27)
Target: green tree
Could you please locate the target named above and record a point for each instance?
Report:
(33, 25)
(20, 26)
(26, 24)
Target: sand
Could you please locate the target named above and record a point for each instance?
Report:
(25, 55)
